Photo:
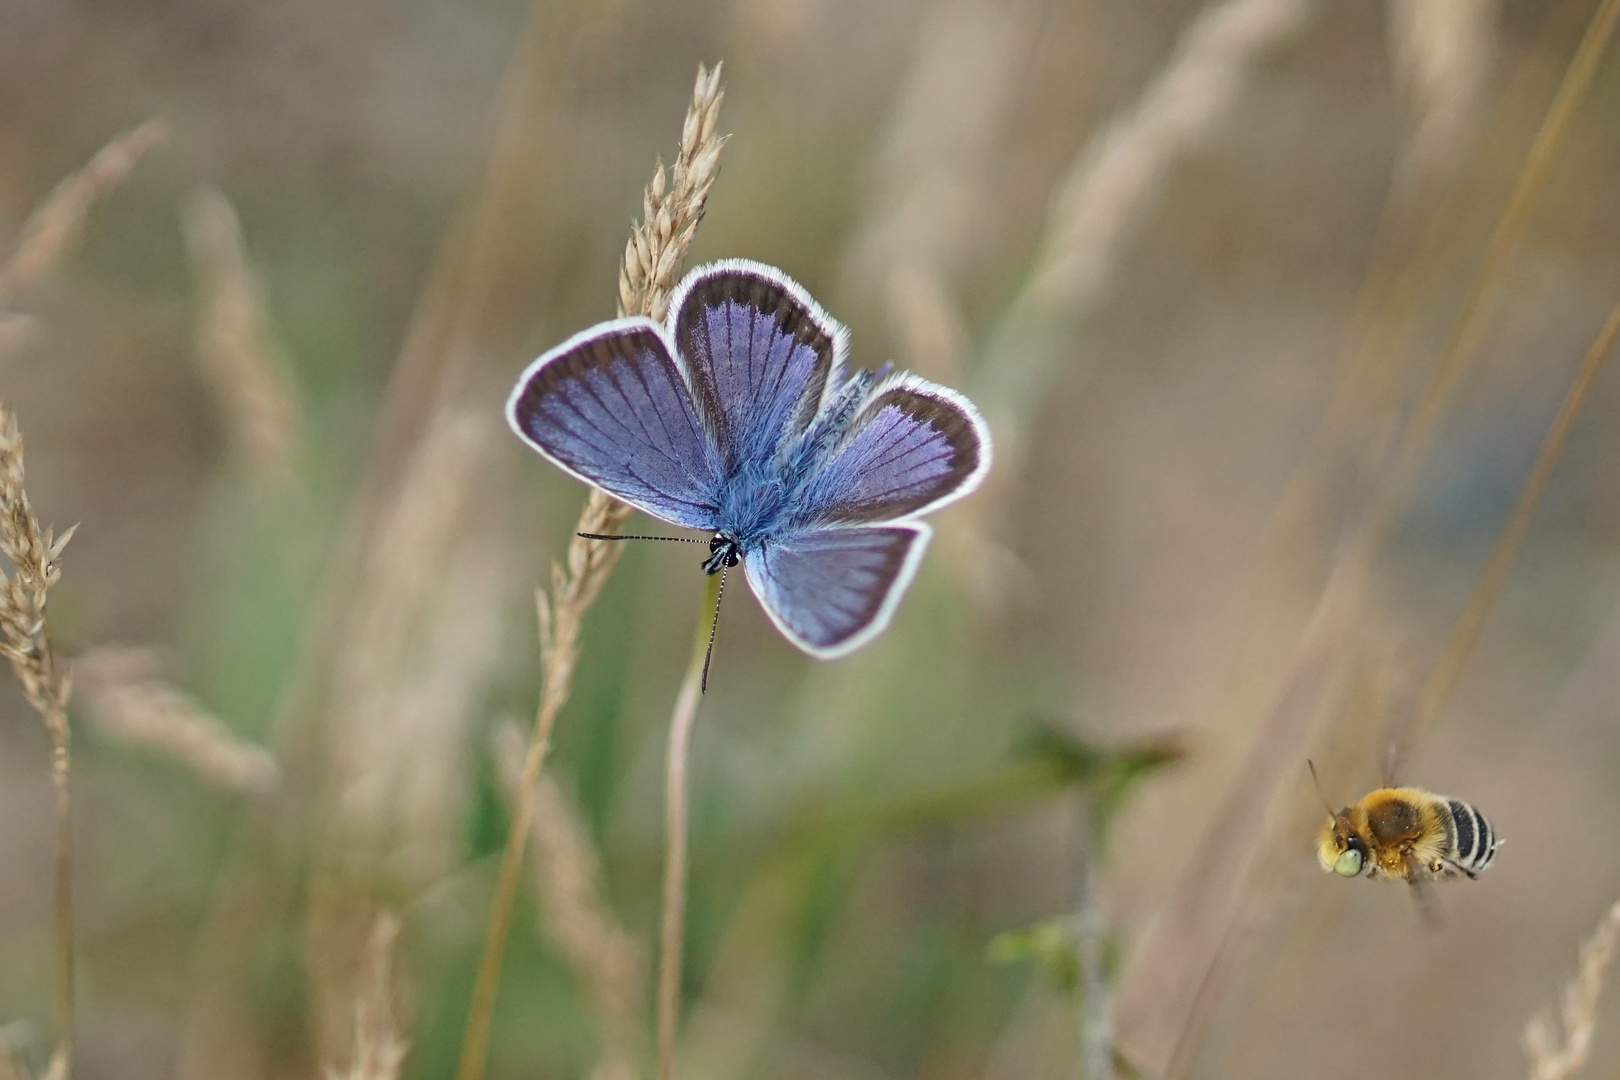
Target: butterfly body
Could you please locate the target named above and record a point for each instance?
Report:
(737, 417)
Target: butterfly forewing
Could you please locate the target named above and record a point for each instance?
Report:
(759, 354)
(831, 590)
(912, 447)
(610, 406)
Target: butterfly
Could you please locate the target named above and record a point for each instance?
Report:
(737, 416)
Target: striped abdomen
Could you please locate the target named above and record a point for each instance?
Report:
(1473, 843)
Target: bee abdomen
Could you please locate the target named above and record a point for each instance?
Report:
(1475, 842)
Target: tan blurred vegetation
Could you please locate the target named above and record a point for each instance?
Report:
(1212, 270)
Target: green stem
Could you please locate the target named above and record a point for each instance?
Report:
(680, 739)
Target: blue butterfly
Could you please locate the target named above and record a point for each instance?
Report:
(737, 417)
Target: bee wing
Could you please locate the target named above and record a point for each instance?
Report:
(1390, 767)
(1422, 898)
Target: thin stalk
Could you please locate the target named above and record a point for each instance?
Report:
(1457, 353)
(475, 1049)
(680, 742)
(63, 915)
(557, 676)
(1096, 1008)
(1448, 670)
(35, 555)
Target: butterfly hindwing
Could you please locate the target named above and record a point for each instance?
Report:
(912, 447)
(832, 590)
(758, 354)
(610, 406)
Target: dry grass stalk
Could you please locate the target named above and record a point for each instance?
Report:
(653, 260)
(421, 645)
(379, 1047)
(1161, 986)
(388, 638)
(54, 226)
(1559, 1055)
(575, 918)
(422, 787)
(10, 1036)
(1443, 52)
(931, 206)
(672, 925)
(35, 556)
(1471, 623)
(127, 699)
(248, 377)
(1106, 195)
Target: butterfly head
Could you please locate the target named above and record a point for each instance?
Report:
(724, 553)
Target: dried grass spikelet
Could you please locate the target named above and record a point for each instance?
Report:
(672, 207)
(35, 556)
(54, 226)
(575, 918)
(128, 699)
(1443, 51)
(379, 1047)
(235, 353)
(1558, 1055)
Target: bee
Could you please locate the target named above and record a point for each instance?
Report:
(1405, 834)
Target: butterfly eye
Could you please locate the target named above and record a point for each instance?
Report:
(1348, 864)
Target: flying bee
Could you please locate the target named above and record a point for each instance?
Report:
(1405, 834)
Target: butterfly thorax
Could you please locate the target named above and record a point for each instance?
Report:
(756, 504)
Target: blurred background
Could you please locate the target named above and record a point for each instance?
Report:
(1196, 262)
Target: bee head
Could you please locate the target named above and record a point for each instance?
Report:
(1339, 849)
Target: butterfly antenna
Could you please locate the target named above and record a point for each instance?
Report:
(671, 539)
(1320, 794)
(714, 625)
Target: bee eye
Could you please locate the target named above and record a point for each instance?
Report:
(1348, 864)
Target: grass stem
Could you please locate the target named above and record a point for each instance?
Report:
(1465, 634)
(674, 916)
(1090, 933)
(35, 554)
